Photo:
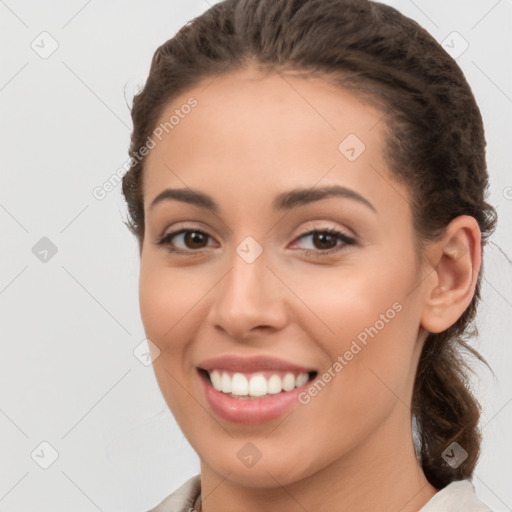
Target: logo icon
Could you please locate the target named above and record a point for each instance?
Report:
(351, 147)
(45, 45)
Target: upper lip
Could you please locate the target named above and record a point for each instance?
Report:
(251, 364)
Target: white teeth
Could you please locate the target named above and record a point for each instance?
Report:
(301, 379)
(289, 382)
(216, 380)
(226, 383)
(274, 385)
(239, 384)
(256, 384)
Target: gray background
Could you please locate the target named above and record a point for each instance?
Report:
(70, 320)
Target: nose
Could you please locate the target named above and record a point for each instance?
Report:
(249, 300)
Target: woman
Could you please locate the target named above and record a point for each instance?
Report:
(308, 193)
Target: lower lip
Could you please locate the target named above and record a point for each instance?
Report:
(250, 411)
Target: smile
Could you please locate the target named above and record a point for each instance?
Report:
(252, 390)
(260, 384)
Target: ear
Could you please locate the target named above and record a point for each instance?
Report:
(454, 264)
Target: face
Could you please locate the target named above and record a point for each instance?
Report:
(307, 300)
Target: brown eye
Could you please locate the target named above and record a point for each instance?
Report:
(326, 241)
(185, 240)
(195, 239)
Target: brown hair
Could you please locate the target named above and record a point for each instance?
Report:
(435, 145)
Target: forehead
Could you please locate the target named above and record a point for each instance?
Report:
(254, 132)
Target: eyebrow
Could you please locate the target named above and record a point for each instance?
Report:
(284, 201)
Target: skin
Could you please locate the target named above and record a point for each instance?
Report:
(251, 137)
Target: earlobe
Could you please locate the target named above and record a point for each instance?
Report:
(455, 264)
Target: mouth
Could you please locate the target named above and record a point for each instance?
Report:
(263, 384)
(252, 390)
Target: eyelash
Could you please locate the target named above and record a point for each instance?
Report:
(165, 241)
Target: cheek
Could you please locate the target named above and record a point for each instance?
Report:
(168, 299)
(344, 301)
(170, 307)
(365, 316)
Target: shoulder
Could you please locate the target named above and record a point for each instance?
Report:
(458, 496)
(182, 499)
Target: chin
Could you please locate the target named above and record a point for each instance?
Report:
(276, 466)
